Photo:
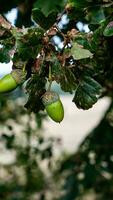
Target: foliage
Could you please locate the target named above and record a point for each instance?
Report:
(83, 66)
(84, 57)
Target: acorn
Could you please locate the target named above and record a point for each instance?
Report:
(53, 106)
(11, 81)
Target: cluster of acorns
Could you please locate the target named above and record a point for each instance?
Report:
(50, 99)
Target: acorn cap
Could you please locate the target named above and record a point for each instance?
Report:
(50, 97)
(18, 75)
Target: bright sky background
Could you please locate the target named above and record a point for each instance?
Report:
(11, 16)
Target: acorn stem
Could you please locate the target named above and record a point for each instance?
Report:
(24, 67)
(49, 79)
(50, 73)
(49, 87)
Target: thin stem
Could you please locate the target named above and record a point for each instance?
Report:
(49, 87)
(50, 74)
(49, 79)
(24, 67)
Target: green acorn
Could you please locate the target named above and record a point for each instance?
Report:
(11, 81)
(53, 106)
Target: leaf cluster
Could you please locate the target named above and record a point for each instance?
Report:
(83, 64)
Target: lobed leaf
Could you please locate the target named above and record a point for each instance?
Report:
(78, 52)
(68, 80)
(42, 20)
(4, 55)
(48, 7)
(28, 42)
(35, 88)
(87, 93)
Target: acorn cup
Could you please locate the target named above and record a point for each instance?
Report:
(11, 81)
(53, 106)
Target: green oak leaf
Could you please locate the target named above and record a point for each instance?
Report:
(35, 89)
(96, 15)
(42, 20)
(68, 80)
(4, 55)
(6, 49)
(56, 68)
(79, 4)
(28, 42)
(48, 7)
(108, 31)
(87, 93)
(78, 52)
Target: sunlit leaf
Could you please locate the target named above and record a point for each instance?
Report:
(78, 52)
